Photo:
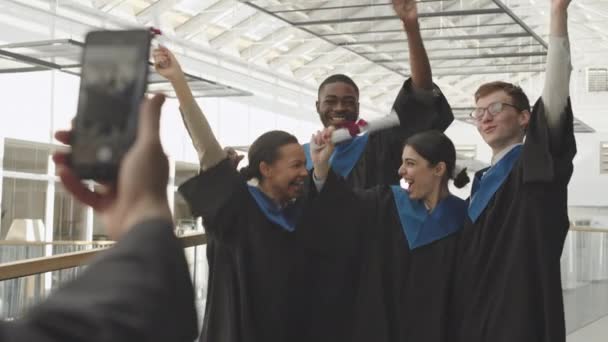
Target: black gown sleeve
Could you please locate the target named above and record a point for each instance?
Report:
(333, 242)
(382, 156)
(209, 193)
(139, 290)
(336, 216)
(323, 220)
(545, 160)
(416, 114)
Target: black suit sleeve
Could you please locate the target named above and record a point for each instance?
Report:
(139, 290)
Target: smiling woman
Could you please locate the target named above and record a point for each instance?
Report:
(252, 247)
(277, 161)
(406, 239)
(429, 162)
(251, 219)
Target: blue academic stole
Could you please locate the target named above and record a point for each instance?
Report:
(286, 217)
(345, 155)
(489, 180)
(421, 227)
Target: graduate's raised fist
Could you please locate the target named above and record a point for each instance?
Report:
(321, 148)
(560, 5)
(233, 156)
(166, 64)
(406, 9)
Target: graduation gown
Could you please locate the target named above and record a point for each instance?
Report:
(139, 290)
(405, 260)
(374, 159)
(330, 269)
(508, 284)
(250, 260)
(266, 283)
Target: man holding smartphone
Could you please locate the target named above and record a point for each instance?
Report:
(140, 289)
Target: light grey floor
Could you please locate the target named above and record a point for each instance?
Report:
(585, 305)
(594, 332)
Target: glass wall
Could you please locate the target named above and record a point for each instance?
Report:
(22, 199)
(184, 219)
(69, 217)
(31, 191)
(30, 188)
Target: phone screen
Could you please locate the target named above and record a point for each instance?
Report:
(107, 89)
(114, 77)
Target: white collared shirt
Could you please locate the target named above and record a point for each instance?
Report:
(498, 156)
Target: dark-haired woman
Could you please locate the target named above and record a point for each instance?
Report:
(252, 247)
(410, 240)
(258, 253)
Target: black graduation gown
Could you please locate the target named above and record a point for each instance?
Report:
(139, 290)
(381, 157)
(250, 260)
(508, 286)
(332, 262)
(330, 269)
(265, 283)
(402, 294)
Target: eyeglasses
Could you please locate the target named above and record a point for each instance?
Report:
(494, 109)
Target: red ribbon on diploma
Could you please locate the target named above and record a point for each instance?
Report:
(354, 128)
(155, 31)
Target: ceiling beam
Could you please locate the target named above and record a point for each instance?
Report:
(231, 35)
(265, 46)
(156, 9)
(483, 11)
(199, 22)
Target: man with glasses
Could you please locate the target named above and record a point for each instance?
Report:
(501, 132)
(508, 283)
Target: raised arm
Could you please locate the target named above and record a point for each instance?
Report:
(207, 147)
(419, 101)
(321, 148)
(420, 66)
(140, 289)
(557, 80)
(550, 144)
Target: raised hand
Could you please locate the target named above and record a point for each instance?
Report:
(234, 157)
(559, 18)
(166, 64)
(560, 4)
(406, 10)
(321, 149)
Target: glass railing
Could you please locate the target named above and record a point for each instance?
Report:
(17, 250)
(20, 293)
(199, 269)
(196, 255)
(584, 267)
(16, 295)
(584, 277)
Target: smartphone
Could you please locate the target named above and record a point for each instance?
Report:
(113, 81)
